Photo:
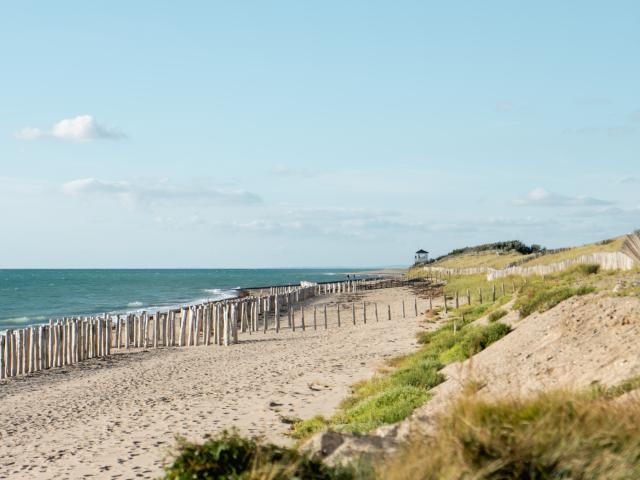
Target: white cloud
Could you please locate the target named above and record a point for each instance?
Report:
(618, 131)
(282, 170)
(630, 180)
(151, 192)
(504, 107)
(83, 128)
(543, 198)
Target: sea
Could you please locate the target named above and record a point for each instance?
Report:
(31, 297)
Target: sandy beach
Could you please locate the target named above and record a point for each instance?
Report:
(117, 417)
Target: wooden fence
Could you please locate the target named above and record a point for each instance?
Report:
(73, 340)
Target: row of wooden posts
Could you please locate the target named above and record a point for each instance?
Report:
(73, 340)
(456, 295)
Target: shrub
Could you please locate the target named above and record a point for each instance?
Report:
(473, 340)
(540, 298)
(557, 435)
(497, 315)
(589, 269)
(386, 407)
(232, 457)
(393, 395)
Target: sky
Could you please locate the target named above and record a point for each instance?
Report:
(297, 134)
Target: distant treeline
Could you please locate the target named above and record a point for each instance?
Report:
(508, 246)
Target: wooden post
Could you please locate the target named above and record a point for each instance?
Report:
(493, 293)
(457, 300)
(468, 297)
(430, 302)
(503, 289)
(388, 312)
(338, 313)
(13, 361)
(353, 312)
(315, 315)
(513, 286)
(291, 316)
(302, 318)
(446, 308)
(183, 326)
(207, 331)
(127, 333)
(364, 312)
(277, 315)
(3, 358)
(234, 324)
(375, 309)
(325, 316)
(156, 331)
(415, 305)
(403, 312)
(480, 295)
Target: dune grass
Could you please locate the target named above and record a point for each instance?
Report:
(541, 294)
(560, 434)
(551, 435)
(482, 259)
(393, 394)
(233, 457)
(497, 315)
(613, 245)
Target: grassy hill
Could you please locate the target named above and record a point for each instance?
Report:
(485, 256)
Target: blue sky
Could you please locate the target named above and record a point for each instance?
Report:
(257, 134)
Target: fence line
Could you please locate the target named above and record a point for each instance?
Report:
(606, 261)
(70, 341)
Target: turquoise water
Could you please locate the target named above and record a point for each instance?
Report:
(33, 296)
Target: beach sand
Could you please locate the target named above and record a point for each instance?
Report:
(117, 417)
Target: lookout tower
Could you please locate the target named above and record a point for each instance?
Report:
(422, 256)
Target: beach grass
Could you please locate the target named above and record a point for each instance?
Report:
(482, 259)
(540, 294)
(612, 245)
(231, 456)
(404, 385)
(557, 434)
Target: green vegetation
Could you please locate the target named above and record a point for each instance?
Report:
(613, 245)
(483, 259)
(615, 391)
(558, 435)
(539, 295)
(508, 246)
(497, 315)
(393, 395)
(229, 456)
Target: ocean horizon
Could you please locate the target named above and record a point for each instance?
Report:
(33, 296)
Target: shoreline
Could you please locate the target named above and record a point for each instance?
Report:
(118, 415)
(175, 307)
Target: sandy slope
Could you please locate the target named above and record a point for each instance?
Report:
(115, 418)
(595, 338)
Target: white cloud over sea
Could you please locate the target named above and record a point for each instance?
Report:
(83, 128)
